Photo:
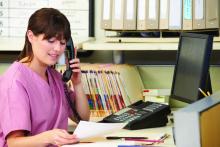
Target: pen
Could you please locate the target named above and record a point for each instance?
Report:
(120, 137)
(145, 140)
(141, 145)
(204, 94)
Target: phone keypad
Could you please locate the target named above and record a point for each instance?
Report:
(133, 114)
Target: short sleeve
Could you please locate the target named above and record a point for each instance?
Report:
(15, 109)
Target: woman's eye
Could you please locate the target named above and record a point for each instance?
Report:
(51, 41)
(63, 43)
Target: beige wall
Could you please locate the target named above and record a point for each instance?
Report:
(162, 76)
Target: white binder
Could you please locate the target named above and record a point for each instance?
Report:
(148, 15)
(187, 15)
(212, 14)
(164, 15)
(118, 14)
(175, 15)
(130, 15)
(106, 15)
(199, 14)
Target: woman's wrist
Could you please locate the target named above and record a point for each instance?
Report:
(78, 85)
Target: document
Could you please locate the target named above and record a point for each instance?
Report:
(86, 129)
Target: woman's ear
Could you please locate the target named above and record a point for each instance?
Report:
(30, 36)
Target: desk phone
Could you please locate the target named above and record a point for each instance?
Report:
(141, 115)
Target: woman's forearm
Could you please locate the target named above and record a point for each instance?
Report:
(82, 105)
(28, 141)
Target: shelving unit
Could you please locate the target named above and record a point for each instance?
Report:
(135, 44)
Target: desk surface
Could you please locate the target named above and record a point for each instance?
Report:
(168, 142)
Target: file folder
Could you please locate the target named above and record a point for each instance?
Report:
(199, 14)
(118, 14)
(164, 13)
(175, 15)
(148, 14)
(106, 15)
(187, 15)
(130, 15)
(212, 14)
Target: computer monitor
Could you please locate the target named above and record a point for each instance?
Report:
(192, 67)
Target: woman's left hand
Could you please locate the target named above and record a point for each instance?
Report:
(75, 66)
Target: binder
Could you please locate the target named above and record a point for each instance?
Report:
(118, 14)
(130, 15)
(106, 14)
(187, 15)
(148, 14)
(212, 14)
(175, 15)
(164, 14)
(199, 14)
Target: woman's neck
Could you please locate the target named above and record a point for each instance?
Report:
(37, 67)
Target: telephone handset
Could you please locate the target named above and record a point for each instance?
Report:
(70, 53)
(67, 75)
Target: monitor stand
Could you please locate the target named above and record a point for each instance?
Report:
(208, 87)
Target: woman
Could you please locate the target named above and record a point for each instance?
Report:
(33, 106)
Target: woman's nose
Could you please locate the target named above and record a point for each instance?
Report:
(57, 46)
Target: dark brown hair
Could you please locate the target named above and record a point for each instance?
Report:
(47, 21)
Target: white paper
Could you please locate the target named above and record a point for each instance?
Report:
(86, 129)
(152, 9)
(163, 9)
(106, 9)
(199, 5)
(175, 15)
(130, 9)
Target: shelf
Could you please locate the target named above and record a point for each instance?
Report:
(134, 44)
(97, 45)
(17, 43)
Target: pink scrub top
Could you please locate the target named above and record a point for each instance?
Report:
(27, 102)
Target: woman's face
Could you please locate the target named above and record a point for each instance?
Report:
(46, 51)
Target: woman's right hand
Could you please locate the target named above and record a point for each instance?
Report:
(59, 137)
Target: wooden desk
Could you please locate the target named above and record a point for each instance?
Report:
(169, 142)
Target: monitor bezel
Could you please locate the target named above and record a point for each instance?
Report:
(205, 70)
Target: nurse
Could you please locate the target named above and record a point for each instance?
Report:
(33, 107)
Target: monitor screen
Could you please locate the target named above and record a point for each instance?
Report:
(192, 67)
